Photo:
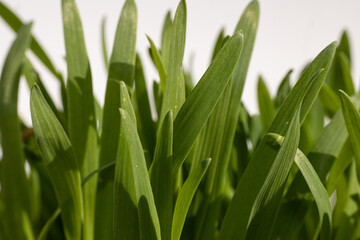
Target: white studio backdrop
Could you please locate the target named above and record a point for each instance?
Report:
(290, 34)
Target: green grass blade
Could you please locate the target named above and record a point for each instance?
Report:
(135, 214)
(166, 39)
(185, 197)
(316, 187)
(158, 63)
(329, 100)
(174, 95)
(118, 96)
(219, 43)
(283, 90)
(81, 109)
(352, 121)
(60, 160)
(144, 111)
(44, 231)
(268, 200)
(161, 177)
(202, 100)
(104, 44)
(122, 61)
(266, 107)
(346, 71)
(14, 185)
(238, 213)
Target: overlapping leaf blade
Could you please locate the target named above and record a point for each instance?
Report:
(14, 184)
(60, 160)
(135, 215)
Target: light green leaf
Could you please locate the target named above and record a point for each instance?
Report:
(219, 43)
(104, 44)
(185, 197)
(316, 187)
(45, 229)
(266, 107)
(161, 177)
(283, 90)
(14, 185)
(202, 100)
(60, 160)
(238, 214)
(346, 71)
(135, 215)
(166, 39)
(352, 121)
(174, 95)
(81, 109)
(329, 100)
(158, 63)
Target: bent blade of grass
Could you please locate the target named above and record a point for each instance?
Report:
(135, 215)
(238, 214)
(202, 100)
(158, 63)
(329, 100)
(283, 90)
(316, 187)
(266, 107)
(268, 200)
(104, 44)
(81, 109)
(117, 96)
(174, 95)
(352, 121)
(161, 177)
(45, 229)
(60, 160)
(346, 71)
(219, 43)
(14, 184)
(185, 197)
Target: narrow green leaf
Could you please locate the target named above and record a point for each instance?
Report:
(44, 231)
(352, 121)
(166, 39)
(202, 100)
(185, 197)
(329, 100)
(144, 111)
(219, 43)
(161, 177)
(158, 63)
(268, 200)
(14, 185)
(118, 96)
(60, 160)
(174, 95)
(266, 107)
(283, 90)
(104, 44)
(346, 71)
(316, 187)
(238, 214)
(122, 61)
(135, 215)
(81, 109)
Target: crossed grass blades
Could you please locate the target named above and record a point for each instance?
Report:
(205, 169)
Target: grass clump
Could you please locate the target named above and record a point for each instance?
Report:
(205, 169)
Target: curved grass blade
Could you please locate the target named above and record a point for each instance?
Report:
(103, 43)
(238, 214)
(117, 96)
(329, 100)
(185, 197)
(60, 160)
(202, 100)
(174, 95)
(266, 107)
(135, 215)
(219, 43)
(347, 78)
(44, 231)
(81, 109)
(14, 184)
(316, 187)
(161, 177)
(158, 63)
(352, 121)
(166, 39)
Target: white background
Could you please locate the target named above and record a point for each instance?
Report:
(290, 34)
